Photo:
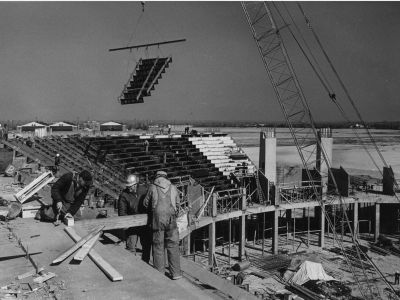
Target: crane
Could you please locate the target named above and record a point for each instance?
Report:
(296, 110)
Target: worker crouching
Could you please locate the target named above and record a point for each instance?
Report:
(162, 200)
(130, 203)
(68, 194)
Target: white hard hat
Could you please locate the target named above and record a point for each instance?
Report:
(131, 180)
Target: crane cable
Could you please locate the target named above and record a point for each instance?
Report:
(308, 48)
(308, 22)
(344, 115)
(332, 95)
(324, 81)
(321, 78)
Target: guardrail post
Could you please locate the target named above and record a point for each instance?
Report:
(275, 231)
(377, 221)
(244, 199)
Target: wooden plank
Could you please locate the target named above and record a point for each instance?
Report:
(71, 250)
(44, 277)
(196, 271)
(111, 273)
(81, 254)
(29, 273)
(114, 222)
(112, 237)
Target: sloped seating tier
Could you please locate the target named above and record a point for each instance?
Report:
(219, 151)
(73, 161)
(111, 158)
(146, 75)
(178, 156)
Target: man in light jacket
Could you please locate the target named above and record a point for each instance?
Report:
(161, 201)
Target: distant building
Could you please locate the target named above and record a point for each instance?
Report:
(31, 126)
(93, 125)
(63, 126)
(111, 126)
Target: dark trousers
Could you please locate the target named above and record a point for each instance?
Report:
(168, 238)
(144, 234)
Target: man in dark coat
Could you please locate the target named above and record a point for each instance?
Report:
(68, 194)
(130, 203)
(162, 200)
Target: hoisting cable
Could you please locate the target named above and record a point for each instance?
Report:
(309, 50)
(333, 98)
(361, 119)
(325, 84)
(308, 22)
(138, 21)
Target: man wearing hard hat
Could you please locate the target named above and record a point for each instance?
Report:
(129, 203)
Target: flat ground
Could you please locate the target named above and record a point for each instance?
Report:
(86, 280)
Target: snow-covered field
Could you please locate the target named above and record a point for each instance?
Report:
(348, 152)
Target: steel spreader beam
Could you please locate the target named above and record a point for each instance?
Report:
(147, 45)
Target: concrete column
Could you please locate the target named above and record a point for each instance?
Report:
(211, 243)
(267, 158)
(325, 144)
(320, 214)
(377, 221)
(214, 211)
(242, 221)
(242, 233)
(275, 232)
(355, 219)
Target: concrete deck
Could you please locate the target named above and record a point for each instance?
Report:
(86, 280)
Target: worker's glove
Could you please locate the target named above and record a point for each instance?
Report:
(59, 206)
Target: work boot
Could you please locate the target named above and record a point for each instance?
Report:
(176, 277)
(132, 250)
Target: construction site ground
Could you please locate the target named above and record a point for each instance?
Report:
(84, 280)
(264, 276)
(140, 280)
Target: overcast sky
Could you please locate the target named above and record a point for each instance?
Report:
(55, 64)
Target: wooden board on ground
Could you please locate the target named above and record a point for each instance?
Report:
(81, 254)
(113, 223)
(111, 273)
(29, 273)
(196, 271)
(82, 241)
(112, 237)
(44, 277)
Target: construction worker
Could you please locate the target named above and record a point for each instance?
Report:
(396, 277)
(68, 194)
(162, 200)
(146, 146)
(57, 161)
(5, 132)
(129, 203)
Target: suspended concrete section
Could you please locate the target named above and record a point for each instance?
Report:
(143, 79)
